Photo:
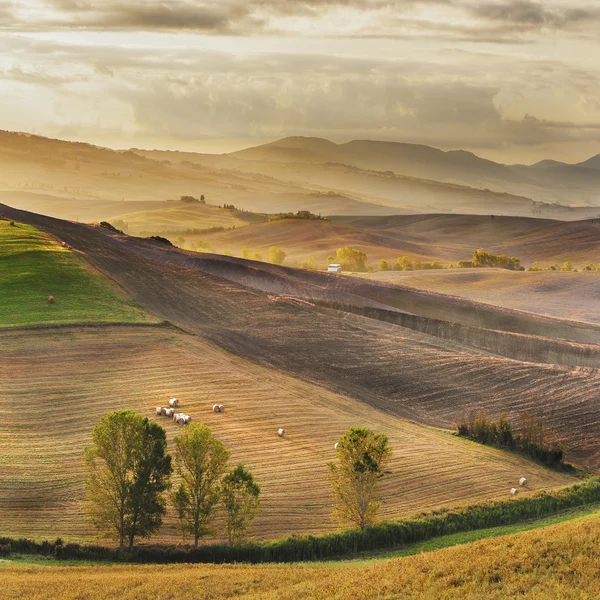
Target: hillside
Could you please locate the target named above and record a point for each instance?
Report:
(546, 181)
(84, 173)
(563, 295)
(455, 354)
(445, 238)
(34, 266)
(86, 374)
(557, 562)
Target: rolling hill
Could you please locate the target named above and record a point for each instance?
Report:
(251, 180)
(417, 355)
(445, 238)
(56, 383)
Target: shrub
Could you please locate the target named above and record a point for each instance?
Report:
(351, 259)
(531, 440)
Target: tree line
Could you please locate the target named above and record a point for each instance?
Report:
(380, 536)
(129, 470)
(532, 439)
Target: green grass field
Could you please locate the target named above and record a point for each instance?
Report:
(33, 267)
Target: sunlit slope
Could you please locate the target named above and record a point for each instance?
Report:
(55, 386)
(34, 267)
(180, 216)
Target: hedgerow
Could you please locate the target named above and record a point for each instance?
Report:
(310, 548)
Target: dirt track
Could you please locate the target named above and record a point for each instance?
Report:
(238, 305)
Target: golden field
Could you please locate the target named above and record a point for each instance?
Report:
(561, 561)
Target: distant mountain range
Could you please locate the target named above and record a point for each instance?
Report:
(361, 177)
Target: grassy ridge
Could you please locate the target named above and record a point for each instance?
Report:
(312, 548)
(34, 267)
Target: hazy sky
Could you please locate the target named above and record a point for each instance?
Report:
(513, 80)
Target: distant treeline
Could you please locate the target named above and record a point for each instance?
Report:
(301, 214)
(385, 535)
(532, 439)
(480, 259)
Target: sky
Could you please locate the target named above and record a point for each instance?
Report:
(511, 80)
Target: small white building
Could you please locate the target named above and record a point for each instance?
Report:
(334, 268)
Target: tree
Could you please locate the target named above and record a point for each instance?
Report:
(384, 265)
(201, 460)
(128, 469)
(276, 255)
(245, 252)
(403, 263)
(351, 259)
(310, 264)
(362, 457)
(239, 493)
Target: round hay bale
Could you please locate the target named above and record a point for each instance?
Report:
(513, 491)
(221, 408)
(335, 446)
(215, 408)
(12, 223)
(523, 481)
(281, 432)
(51, 299)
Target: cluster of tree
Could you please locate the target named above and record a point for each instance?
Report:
(301, 214)
(228, 206)
(532, 438)
(404, 263)
(276, 255)
(310, 264)
(567, 266)
(351, 259)
(129, 473)
(251, 255)
(481, 258)
(191, 199)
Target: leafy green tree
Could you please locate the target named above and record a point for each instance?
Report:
(276, 255)
(245, 252)
(351, 259)
(362, 457)
(128, 469)
(201, 460)
(384, 265)
(240, 497)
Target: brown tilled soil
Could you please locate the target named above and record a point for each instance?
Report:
(425, 356)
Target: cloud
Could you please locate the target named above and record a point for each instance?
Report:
(528, 14)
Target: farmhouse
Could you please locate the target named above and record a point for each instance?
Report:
(334, 268)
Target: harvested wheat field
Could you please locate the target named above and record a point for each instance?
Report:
(557, 562)
(46, 418)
